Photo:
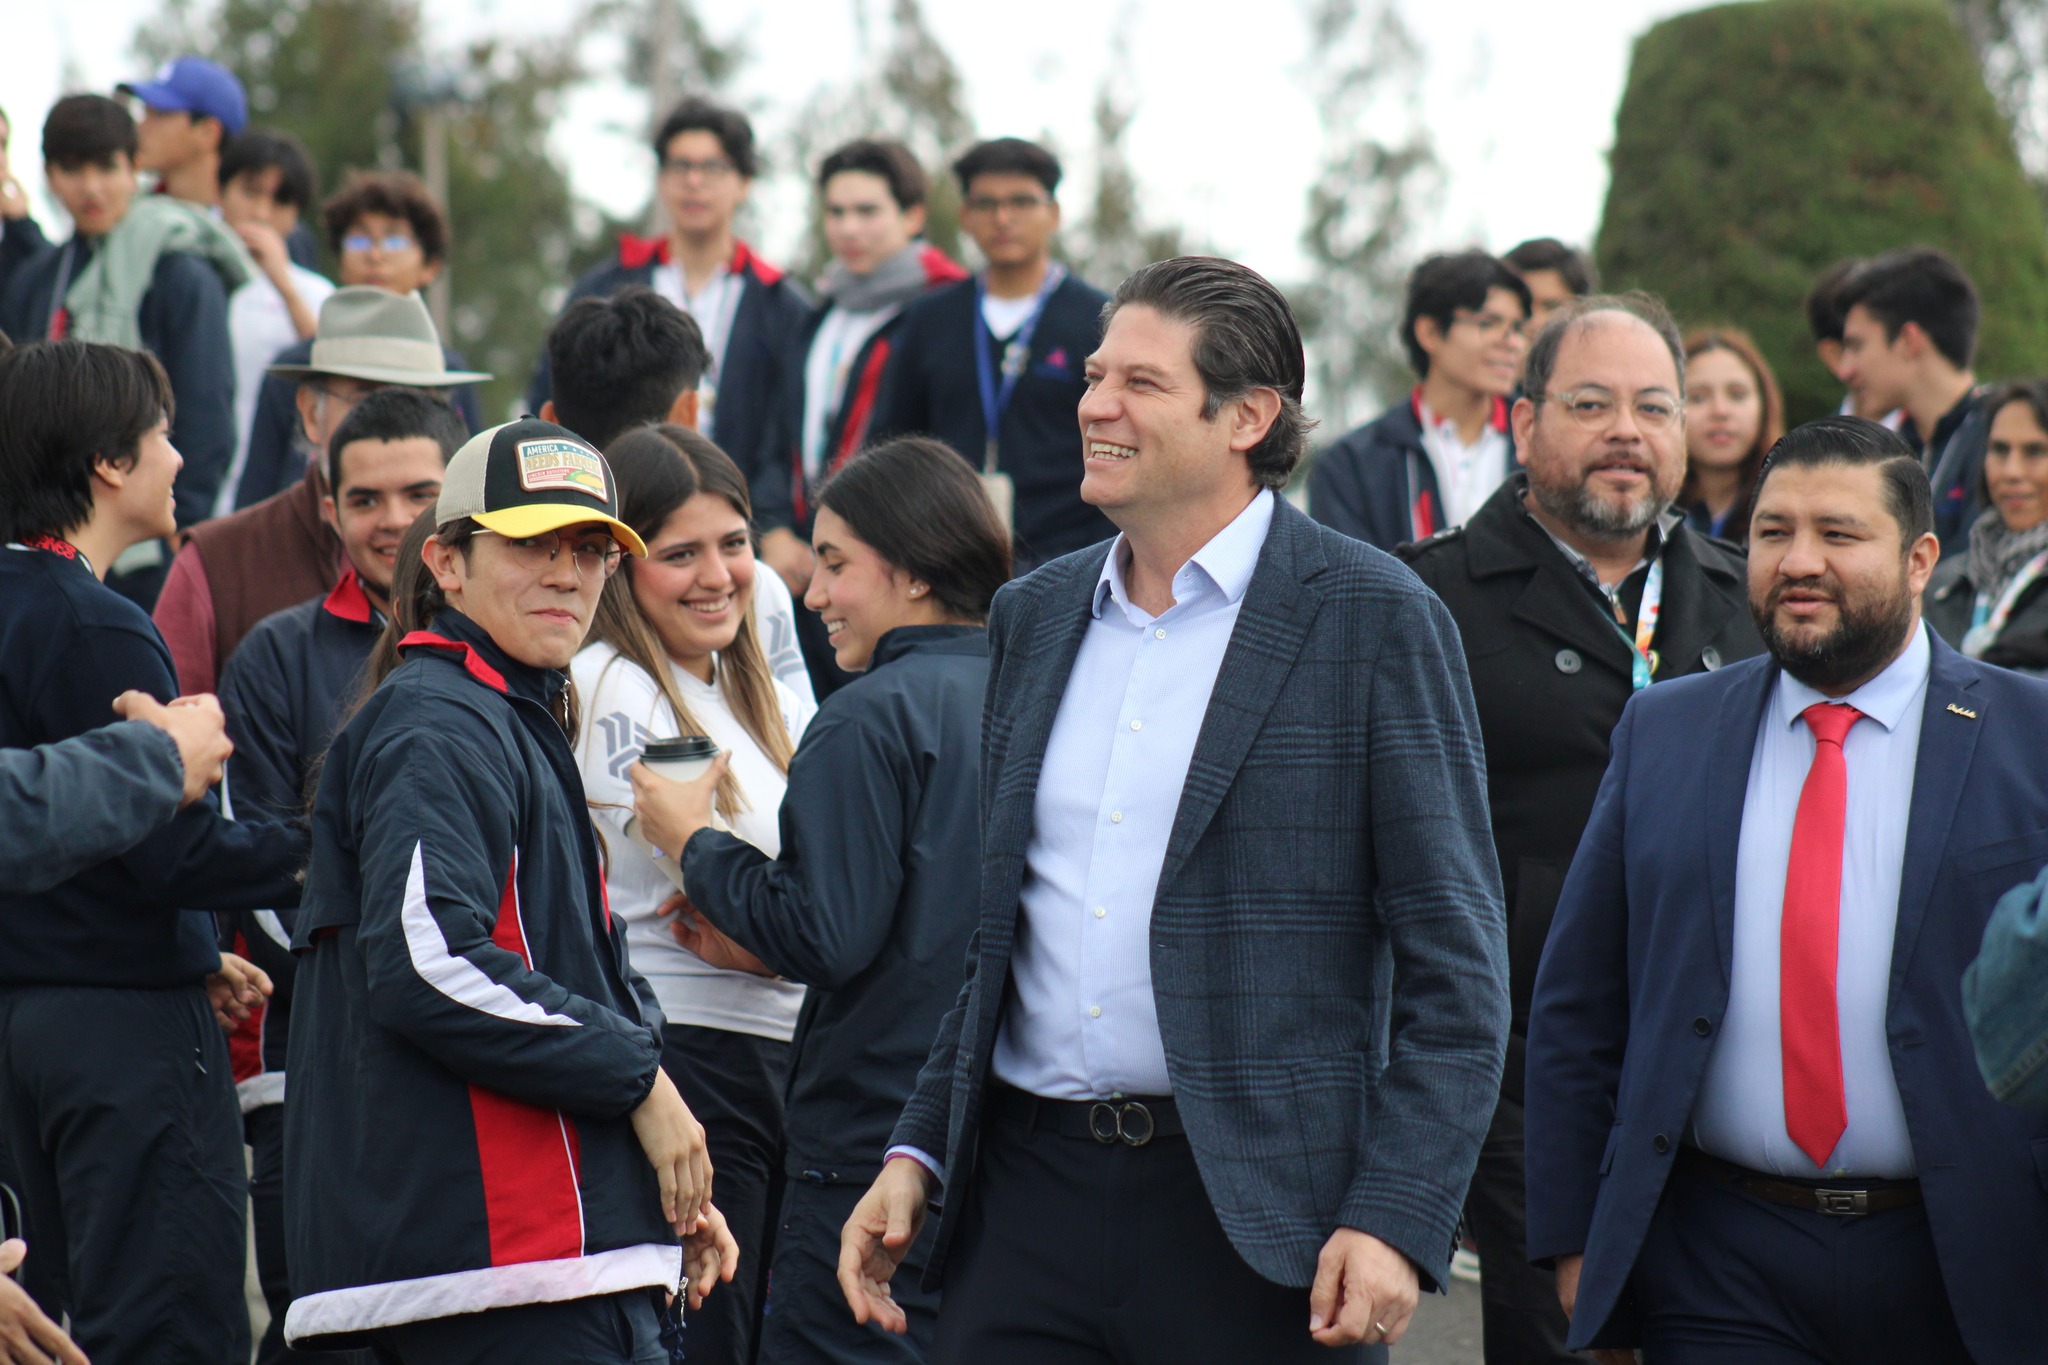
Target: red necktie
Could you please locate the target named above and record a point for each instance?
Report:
(1809, 934)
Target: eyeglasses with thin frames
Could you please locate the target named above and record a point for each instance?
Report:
(711, 168)
(1598, 409)
(391, 243)
(599, 555)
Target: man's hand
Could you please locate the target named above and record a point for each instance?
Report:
(674, 1142)
(27, 1336)
(266, 246)
(710, 1255)
(787, 554)
(669, 812)
(707, 940)
(878, 1236)
(195, 725)
(1364, 1291)
(13, 199)
(1568, 1268)
(236, 990)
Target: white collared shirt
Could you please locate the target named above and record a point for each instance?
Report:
(1740, 1116)
(1079, 1021)
(1466, 475)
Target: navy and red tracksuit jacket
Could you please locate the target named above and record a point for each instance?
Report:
(469, 1041)
(1376, 484)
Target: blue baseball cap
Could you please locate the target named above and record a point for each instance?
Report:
(193, 85)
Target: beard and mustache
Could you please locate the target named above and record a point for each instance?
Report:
(1589, 514)
(1866, 634)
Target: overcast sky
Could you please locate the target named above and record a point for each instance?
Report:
(1519, 99)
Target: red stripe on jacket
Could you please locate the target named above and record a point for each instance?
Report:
(527, 1155)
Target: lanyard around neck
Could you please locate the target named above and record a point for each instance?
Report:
(1987, 618)
(1642, 660)
(995, 400)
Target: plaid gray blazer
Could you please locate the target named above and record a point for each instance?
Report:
(1329, 952)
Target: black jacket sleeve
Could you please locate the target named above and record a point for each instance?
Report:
(263, 775)
(821, 912)
(184, 321)
(68, 806)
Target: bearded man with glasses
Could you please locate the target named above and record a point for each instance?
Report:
(1575, 586)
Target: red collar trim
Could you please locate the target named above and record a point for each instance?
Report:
(348, 600)
(63, 549)
(743, 259)
(471, 660)
(1498, 421)
(939, 268)
(637, 253)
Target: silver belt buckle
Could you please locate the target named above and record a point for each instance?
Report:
(1129, 1123)
(1842, 1203)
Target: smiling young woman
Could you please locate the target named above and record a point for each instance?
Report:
(1991, 601)
(1733, 416)
(674, 651)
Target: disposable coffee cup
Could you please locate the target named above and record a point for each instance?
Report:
(683, 759)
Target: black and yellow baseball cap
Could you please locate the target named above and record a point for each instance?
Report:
(528, 477)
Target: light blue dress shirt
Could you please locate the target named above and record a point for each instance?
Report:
(1740, 1116)
(1079, 1020)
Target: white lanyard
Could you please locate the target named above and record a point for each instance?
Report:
(1988, 619)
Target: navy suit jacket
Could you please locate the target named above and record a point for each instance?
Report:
(1633, 988)
(1329, 950)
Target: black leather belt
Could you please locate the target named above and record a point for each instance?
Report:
(1842, 1197)
(1133, 1120)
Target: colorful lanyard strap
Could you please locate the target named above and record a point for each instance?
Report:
(995, 401)
(1642, 660)
(1987, 619)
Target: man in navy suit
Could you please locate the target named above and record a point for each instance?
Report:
(1755, 1129)
(1237, 1003)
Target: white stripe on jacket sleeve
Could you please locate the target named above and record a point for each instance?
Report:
(452, 974)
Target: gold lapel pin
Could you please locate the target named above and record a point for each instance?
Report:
(1966, 715)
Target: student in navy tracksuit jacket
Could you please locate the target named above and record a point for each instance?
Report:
(485, 1161)
(286, 690)
(952, 366)
(117, 1114)
(748, 310)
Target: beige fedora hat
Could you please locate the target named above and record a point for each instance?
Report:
(376, 335)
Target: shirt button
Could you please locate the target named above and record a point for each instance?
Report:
(1159, 634)
(1137, 725)
(1116, 817)
(1100, 912)
(1095, 1011)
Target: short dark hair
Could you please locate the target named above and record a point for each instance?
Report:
(64, 406)
(258, 149)
(735, 134)
(396, 414)
(621, 362)
(1443, 284)
(87, 130)
(1644, 308)
(1009, 156)
(890, 160)
(1245, 338)
(2032, 392)
(397, 194)
(1859, 441)
(919, 506)
(1919, 285)
(1824, 311)
(1574, 266)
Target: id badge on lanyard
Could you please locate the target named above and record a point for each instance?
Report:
(995, 399)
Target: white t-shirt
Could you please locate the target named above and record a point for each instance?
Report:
(622, 711)
(259, 326)
(1466, 475)
(1005, 316)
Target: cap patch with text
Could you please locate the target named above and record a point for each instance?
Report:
(561, 464)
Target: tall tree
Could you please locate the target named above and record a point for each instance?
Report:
(1379, 173)
(909, 89)
(330, 73)
(1115, 238)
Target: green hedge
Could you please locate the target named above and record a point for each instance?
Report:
(1758, 143)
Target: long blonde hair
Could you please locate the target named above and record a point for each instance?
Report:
(658, 469)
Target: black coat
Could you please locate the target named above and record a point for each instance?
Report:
(1951, 599)
(1550, 676)
(873, 899)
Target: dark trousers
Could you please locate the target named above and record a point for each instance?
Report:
(1524, 1323)
(806, 1320)
(263, 1129)
(1727, 1278)
(1071, 1252)
(733, 1083)
(615, 1329)
(119, 1116)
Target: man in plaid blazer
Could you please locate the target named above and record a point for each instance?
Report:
(1237, 1005)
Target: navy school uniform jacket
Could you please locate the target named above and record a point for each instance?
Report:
(783, 496)
(930, 386)
(470, 1040)
(873, 899)
(1376, 484)
(68, 646)
(277, 452)
(772, 310)
(286, 690)
(184, 323)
